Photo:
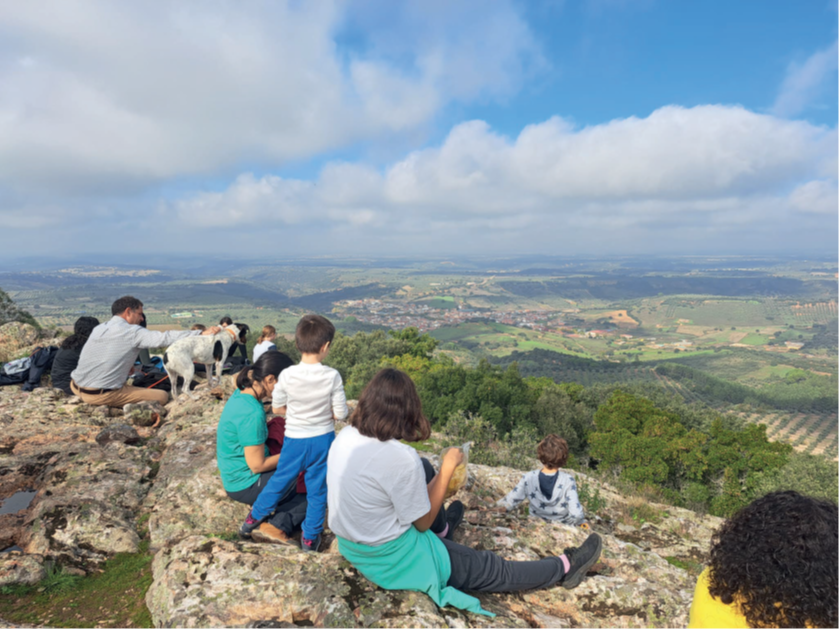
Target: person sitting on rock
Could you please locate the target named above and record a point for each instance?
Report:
(110, 352)
(773, 564)
(381, 508)
(243, 459)
(265, 341)
(552, 494)
(144, 356)
(67, 357)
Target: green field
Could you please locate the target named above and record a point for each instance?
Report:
(714, 319)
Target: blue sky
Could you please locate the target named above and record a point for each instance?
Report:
(596, 126)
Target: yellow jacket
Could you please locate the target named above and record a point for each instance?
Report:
(707, 612)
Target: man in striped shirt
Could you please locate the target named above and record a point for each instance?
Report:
(109, 355)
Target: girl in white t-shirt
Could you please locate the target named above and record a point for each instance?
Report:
(381, 508)
(265, 342)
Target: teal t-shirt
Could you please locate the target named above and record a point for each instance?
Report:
(242, 424)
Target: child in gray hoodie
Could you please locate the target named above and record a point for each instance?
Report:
(552, 493)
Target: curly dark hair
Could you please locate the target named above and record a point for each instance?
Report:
(777, 559)
(81, 331)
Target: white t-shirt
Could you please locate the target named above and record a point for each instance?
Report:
(260, 348)
(311, 394)
(375, 489)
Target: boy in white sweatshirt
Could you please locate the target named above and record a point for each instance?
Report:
(310, 396)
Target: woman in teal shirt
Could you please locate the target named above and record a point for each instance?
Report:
(243, 458)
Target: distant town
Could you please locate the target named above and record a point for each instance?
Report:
(398, 315)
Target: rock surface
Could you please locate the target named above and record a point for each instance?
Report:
(15, 338)
(144, 413)
(118, 433)
(16, 567)
(90, 498)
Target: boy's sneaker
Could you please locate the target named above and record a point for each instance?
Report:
(310, 545)
(581, 559)
(270, 534)
(454, 516)
(248, 527)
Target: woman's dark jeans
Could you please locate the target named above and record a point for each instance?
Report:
(484, 571)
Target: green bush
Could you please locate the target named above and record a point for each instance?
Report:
(808, 474)
(515, 450)
(649, 446)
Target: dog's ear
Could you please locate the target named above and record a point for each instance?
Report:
(218, 350)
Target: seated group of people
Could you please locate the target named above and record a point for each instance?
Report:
(774, 563)
(385, 502)
(96, 361)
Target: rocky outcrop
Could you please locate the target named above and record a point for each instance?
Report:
(90, 497)
(87, 495)
(16, 336)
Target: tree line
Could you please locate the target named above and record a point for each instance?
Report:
(638, 432)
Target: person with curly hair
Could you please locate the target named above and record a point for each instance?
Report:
(67, 357)
(773, 564)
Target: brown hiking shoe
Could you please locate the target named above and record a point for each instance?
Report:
(270, 534)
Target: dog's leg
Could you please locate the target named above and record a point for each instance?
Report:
(220, 360)
(173, 375)
(188, 374)
(219, 368)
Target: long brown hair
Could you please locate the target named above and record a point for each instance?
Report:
(390, 408)
(268, 330)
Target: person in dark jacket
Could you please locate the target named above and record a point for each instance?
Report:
(67, 357)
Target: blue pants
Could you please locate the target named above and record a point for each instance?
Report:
(299, 455)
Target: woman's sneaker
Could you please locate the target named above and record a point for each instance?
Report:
(581, 559)
(454, 516)
(310, 545)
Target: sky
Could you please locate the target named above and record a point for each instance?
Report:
(428, 127)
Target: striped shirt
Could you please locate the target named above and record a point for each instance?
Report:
(111, 350)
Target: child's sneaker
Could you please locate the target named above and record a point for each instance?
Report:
(581, 559)
(270, 534)
(454, 516)
(248, 527)
(310, 545)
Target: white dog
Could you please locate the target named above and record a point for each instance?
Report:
(206, 350)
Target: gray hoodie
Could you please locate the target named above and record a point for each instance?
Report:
(563, 505)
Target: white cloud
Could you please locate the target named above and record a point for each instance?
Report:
(818, 197)
(718, 170)
(806, 82)
(125, 94)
